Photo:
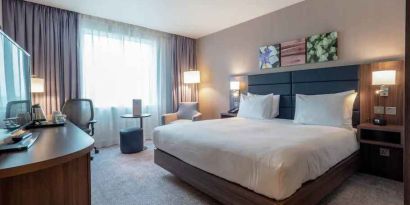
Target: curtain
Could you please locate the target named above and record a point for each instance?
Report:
(121, 62)
(184, 59)
(50, 36)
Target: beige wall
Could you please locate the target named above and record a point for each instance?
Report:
(369, 30)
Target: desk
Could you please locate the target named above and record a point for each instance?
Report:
(55, 170)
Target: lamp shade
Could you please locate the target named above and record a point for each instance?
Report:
(191, 77)
(37, 85)
(234, 85)
(384, 77)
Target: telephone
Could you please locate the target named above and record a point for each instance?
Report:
(233, 110)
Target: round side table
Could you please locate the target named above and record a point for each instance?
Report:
(140, 117)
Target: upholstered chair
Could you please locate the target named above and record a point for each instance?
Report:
(81, 113)
(187, 112)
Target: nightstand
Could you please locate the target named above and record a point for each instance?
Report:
(381, 150)
(228, 115)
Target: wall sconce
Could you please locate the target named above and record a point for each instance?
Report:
(384, 78)
(235, 90)
(192, 77)
(235, 86)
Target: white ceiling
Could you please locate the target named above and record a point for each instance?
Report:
(192, 18)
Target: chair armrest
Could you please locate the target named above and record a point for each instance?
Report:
(168, 118)
(91, 124)
(197, 117)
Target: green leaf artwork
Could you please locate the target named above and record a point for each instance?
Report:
(321, 48)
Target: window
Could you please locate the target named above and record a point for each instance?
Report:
(117, 70)
(120, 62)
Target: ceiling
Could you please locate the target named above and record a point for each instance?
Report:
(192, 18)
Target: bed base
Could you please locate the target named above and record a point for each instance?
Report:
(230, 193)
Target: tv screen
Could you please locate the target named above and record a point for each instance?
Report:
(15, 95)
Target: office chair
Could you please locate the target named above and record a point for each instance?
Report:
(81, 113)
(17, 113)
(14, 108)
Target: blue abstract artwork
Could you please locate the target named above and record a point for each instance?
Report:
(269, 56)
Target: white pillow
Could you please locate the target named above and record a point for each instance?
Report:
(330, 109)
(275, 104)
(256, 107)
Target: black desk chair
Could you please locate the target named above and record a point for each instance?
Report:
(17, 113)
(14, 108)
(81, 113)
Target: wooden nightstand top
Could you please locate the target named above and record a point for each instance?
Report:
(227, 114)
(388, 128)
(381, 135)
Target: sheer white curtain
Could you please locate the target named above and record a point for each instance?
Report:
(121, 62)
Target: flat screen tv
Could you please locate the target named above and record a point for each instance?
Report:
(15, 95)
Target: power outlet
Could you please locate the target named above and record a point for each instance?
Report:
(390, 110)
(384, 152)
(379, 110)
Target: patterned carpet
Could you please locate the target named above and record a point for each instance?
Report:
(135, 179)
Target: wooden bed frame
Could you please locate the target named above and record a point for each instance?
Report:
(230, 193)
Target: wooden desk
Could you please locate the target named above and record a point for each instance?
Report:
(55, 170)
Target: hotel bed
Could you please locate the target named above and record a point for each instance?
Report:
(271, 157)
(248, 161)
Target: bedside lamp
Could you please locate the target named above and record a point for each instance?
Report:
(37, 86)
(383, 79)
(192, 77)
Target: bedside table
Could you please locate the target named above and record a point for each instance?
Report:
(381, 150)
(228, 115)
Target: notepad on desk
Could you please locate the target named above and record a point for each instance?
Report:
(22, 145)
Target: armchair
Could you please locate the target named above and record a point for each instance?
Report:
(187, 112)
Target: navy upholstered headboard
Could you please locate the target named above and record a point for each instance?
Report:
(309, 82)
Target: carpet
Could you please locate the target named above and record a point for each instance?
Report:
(135, 179)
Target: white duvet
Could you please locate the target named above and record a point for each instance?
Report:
(270, 157)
